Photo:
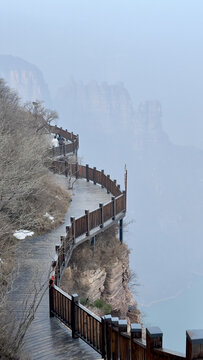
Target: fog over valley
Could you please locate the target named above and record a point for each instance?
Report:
(127, 77)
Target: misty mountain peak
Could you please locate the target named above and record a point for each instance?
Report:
(148, 125)
(102, 104)
(25, 78)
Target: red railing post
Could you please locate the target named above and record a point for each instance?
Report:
(194, 344)
(154, 338)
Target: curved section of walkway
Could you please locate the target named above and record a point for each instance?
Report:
(47, 338)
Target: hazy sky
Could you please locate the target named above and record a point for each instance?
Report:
(154, 46)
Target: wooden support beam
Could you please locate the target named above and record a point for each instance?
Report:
(76, 170)
(102, 179)
(74, 315)
(94, 175)
(87, 172)
(51, 297)
(102, 215)
(121, 231)
(113, 199)
(107, 184)
(87, 213)
(93, 243)
(72, 219)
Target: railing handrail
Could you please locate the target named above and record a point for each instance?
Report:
(76, 228)
(64, 133)
(89, 312)
(60, 150)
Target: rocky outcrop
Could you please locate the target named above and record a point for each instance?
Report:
(103, 274)
(25, 78)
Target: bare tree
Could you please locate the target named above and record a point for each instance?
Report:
(27, 192)
(42, 116)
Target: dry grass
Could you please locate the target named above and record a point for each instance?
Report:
(85, 258)
(53, 199)
(92, 275)
(107, 248)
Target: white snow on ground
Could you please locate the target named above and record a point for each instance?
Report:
(1, 261)
(50, 217)
(22, 234)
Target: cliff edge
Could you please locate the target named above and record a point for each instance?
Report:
(100, 275)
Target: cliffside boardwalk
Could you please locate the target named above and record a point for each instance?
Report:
(110, 337)
(107, 335)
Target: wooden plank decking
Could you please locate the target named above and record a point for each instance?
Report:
(47, 338)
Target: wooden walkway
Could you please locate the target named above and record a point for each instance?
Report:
(47, 338)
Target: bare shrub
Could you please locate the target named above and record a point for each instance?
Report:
(27, 191)
(107, 247)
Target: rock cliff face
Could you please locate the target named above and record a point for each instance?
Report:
(106, 107)
(24, 77)
(147, 129)
(108, 111)
(103, 273)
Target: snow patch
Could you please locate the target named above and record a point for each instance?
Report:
(22, 234)
(50, 217)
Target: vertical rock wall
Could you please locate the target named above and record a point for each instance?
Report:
(103, 273)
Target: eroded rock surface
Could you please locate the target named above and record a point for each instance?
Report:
(103, 273)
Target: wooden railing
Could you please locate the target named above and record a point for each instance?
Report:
(91, 223)
(107, 335)
(71, 147)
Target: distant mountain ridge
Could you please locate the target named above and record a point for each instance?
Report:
(24, 77)
(109, 109)
(102, 105)
(165, 183)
